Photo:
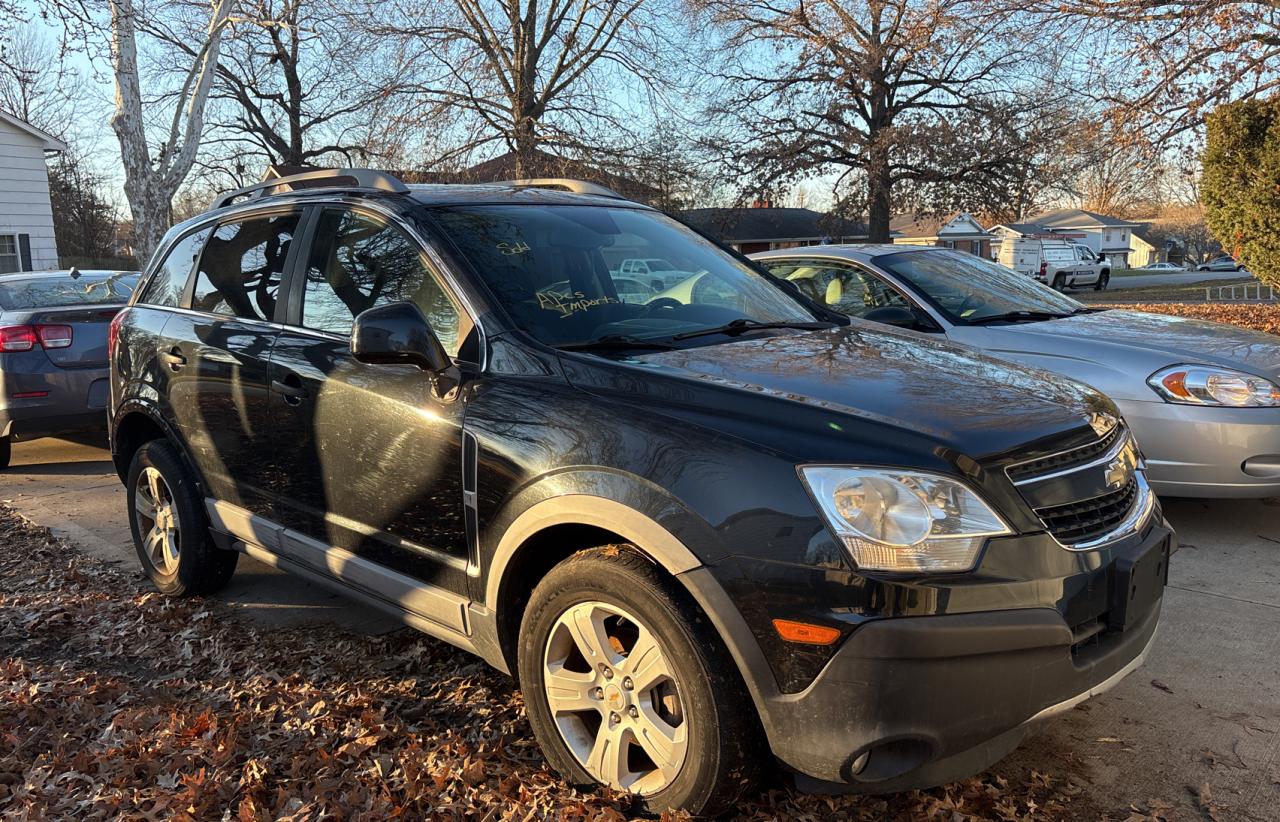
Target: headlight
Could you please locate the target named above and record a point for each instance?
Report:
(1209, 385)
(899, 520)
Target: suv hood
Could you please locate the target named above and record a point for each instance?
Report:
(1132, 342)
(961, 400)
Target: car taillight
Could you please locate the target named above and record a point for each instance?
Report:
(54, 336)
(113, 333)
(1044, 268)
(17, 338)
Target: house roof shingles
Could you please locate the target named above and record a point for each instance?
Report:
(736, 225)
(921, 225)
(1078, 218)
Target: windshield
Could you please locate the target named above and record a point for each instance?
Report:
(967, 288)
(565, 274)
(50, 291)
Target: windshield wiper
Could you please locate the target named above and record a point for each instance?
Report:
(743, 325)
(616, 342)
(1017, 316)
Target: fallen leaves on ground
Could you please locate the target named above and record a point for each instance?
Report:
(116, 702)
(1258, 316)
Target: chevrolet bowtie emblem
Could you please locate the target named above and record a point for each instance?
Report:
(1120, 469)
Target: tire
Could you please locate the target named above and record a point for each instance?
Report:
(700, 710)
(172, 539)
(1059, 282)
(1104, 279)
(6, 451)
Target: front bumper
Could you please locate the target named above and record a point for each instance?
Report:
(915, 702)
(1194, 451)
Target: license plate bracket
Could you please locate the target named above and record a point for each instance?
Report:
(1139, 582)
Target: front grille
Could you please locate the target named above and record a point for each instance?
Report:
(1078, 522)
(1065, 460)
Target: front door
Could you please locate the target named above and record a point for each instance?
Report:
(217, 353)
(371, 455)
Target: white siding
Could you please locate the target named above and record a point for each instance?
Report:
(24, 194)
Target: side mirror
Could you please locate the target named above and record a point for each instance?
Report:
(894, 315)
(398, 333)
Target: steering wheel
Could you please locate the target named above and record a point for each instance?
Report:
(969, 302)
(661, 303)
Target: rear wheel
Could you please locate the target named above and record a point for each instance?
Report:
(6, 451)
(170, 532)
(1059, 282)
(627, 686)
(1103, 280)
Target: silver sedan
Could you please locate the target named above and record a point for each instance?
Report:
(1203, 399)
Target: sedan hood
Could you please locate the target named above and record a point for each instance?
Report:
(1133, 343)
(963, 401)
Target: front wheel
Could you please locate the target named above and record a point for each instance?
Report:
(627, 686)
(1103, 280)
(169, 528)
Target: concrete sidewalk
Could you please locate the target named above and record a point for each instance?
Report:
(1204, 711)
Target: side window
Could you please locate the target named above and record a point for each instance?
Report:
(839, 287)
(358, 262)
(170, 280)
(242, 266)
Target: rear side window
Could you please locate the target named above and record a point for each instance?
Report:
(170, 280)
(359, 262)
(242, 266)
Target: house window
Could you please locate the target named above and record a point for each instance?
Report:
(10, 259)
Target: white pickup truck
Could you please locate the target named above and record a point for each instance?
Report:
(1057, 262)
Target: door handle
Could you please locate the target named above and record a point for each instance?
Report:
(173, 358)
(290, 388)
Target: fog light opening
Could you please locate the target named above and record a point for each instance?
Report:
(889, 759)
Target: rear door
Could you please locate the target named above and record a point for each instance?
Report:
(217, 353)
(371, 458)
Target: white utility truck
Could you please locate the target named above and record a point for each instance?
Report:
(1057, 261)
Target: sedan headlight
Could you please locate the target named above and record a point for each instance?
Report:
(900, 520)
(1210, 385)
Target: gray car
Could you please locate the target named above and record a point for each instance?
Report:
(1221, 264)
(1202, 398)
(53, 351)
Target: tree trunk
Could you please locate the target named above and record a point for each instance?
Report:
(879, 194)
(149, 184)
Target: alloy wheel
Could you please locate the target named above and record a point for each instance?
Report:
(157, 521)
(614, 698)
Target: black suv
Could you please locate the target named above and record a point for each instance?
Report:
(696, 517)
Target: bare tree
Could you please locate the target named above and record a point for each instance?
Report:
(295, 79)
(153, 169)
(1162, 66)
(34, 85)
(885, 92)
(529, 74)
(84, 222)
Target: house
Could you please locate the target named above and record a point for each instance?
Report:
(1004, 231)
(762, 227)
(1142, 251)
(26, 216)
(959, 231)
(1109, 237)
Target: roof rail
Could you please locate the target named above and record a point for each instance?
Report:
(575, 186)
(361, 177)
